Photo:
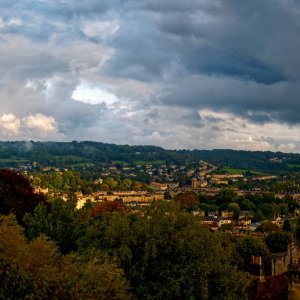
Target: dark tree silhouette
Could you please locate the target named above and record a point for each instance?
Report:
(17, 196)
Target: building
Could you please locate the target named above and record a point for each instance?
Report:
(227, 214)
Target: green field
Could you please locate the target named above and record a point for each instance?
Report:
(234, 171)
(292, 166)
(257, 173)
(13, 160)
(149, 162)
(120, 162)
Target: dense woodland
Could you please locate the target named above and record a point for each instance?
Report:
(51, 250)
(92, 154)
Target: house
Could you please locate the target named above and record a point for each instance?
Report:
(223, 221)
(247, 213)
(244, 221)
(227, 214)
(208, 220)
(159, 186)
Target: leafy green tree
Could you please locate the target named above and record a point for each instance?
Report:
(235, 208)
(36, 181)
(268, 198)
(192, 250)
(277, 242)
(60, 224)
(202, 198)
(111, 183)
(246, 204)
(126, 184)
(57, 181)
(252, 246)
(227, 196)
(283, 208)
(267, 210)
(36, 270)
(258, 216)
(167, 254)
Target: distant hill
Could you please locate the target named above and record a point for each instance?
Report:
(85, 154)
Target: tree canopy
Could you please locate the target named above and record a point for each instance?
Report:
(16, 194)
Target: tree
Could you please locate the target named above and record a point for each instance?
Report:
(111, 183)
(286, 225)
(126, 184)
(187, 200)
(202, 198)
(167, 195)
(36, 270)
(252, 246)
(167, 254)
(283, 208)
(268, 227)
(258, 216)
(267, 210)
(57, 181)
(226, 196)
(246, 204)
(248, 174)
(277, 242)
(109, 207)
(235, 208)
(17, 196)
(175, 257)
(59, 224)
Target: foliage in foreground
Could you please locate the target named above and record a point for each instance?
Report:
(36, 270)
(165, 253)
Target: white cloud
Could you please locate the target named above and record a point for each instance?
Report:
(91, 94)
(289, 147)
(100, 29)
(13, 22)
(230, 131)
(40, 122)
(9, 124)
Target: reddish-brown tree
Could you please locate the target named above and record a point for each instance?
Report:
(16, 194)
(109, 206)
(187, 200)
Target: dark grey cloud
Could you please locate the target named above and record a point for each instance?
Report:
(258, 102)
(231, 38)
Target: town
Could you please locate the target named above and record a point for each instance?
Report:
(118, 182)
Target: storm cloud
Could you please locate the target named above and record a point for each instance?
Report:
(179, 74)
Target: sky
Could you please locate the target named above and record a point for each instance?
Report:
(193, 74)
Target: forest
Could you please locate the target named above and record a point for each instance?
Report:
(88, 154)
